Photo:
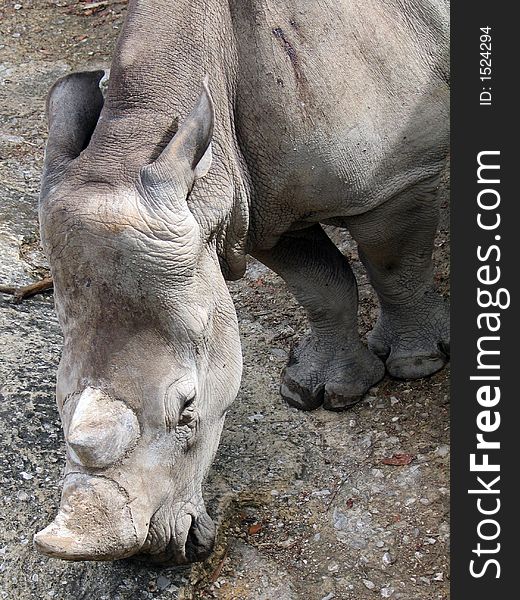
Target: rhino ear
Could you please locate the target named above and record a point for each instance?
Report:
(188, 155)
(73, 107)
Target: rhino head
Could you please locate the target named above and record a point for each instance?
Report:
(151, 359)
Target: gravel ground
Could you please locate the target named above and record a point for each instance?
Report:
(307, 508)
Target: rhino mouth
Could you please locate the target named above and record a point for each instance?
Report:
(191, 538)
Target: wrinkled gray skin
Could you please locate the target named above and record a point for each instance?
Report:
(319, 112)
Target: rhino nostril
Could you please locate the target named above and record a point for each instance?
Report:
(201, 538)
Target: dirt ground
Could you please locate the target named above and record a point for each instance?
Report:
(306, 507)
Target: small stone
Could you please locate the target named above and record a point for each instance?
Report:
(321, 493)
(333, 568)
(22, 496)
(393, 400)
(442, 450)
(162, 582)
(17, 6)
(386, 592)
(366, 441)
(256, 417)
(388, 559)
(283, 333)
(370, 585)
(286, 543)
(26, 476)
(380, 544)
(438, 577)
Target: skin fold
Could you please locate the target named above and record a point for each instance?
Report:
(228, 129)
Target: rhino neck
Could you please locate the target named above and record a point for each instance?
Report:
(163, 54)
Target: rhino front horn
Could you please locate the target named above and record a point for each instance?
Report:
(101, 430)
(96, 521)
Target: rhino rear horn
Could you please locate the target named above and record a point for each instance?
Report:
(102, 430)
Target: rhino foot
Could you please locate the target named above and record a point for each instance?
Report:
(414, 340)
(333, 375)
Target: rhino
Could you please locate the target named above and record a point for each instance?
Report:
(231, 128)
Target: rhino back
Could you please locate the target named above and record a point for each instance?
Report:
(340, 104)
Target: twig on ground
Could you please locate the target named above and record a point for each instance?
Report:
(100, 4)
(216, 573)
(336, 492)
(20, 293)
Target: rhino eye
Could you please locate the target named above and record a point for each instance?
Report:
(179, 403)
(188, 412)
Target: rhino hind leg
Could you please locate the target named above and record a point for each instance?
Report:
(395, 241)
(330, 366)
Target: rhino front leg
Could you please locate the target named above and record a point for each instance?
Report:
(395, 243)
(330, 366)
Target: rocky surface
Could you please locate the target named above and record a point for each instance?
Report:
(308, 504)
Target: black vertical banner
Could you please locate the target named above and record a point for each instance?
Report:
(485, 324)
